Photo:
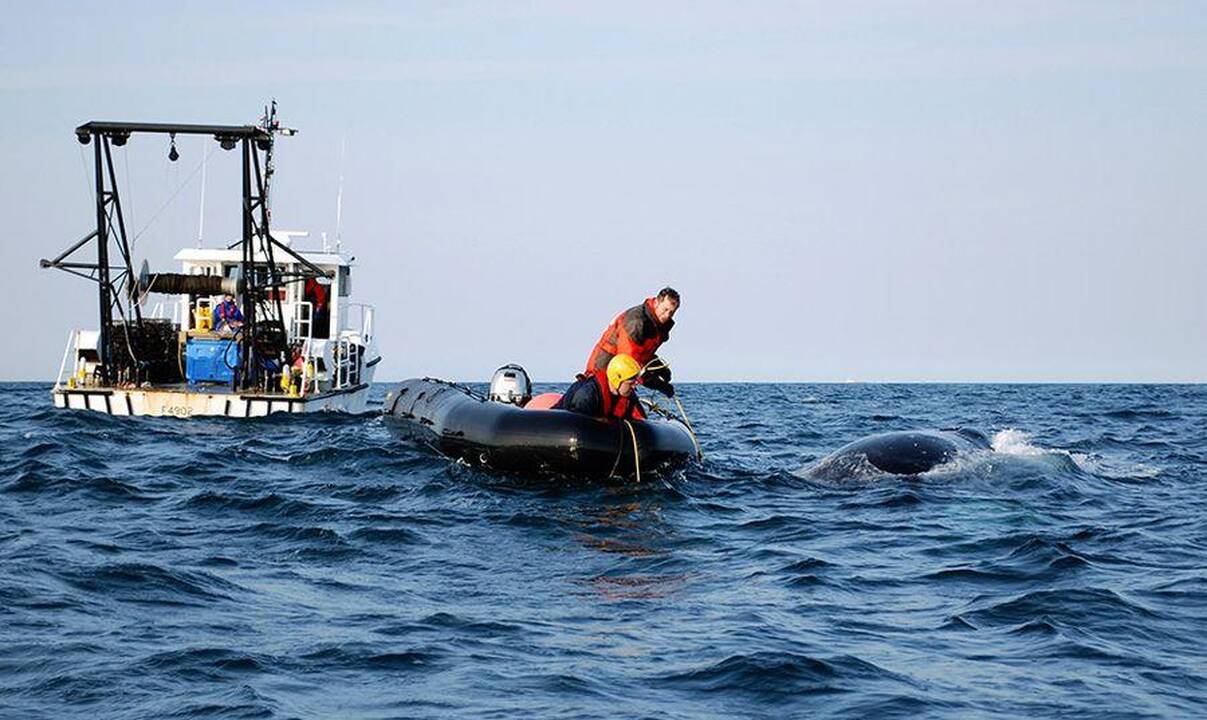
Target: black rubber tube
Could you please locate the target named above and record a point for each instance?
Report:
(462, 425)
(179, 284)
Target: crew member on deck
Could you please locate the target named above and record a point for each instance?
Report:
(227, 317)
(315, 293)
(638, 332)
(606, 393)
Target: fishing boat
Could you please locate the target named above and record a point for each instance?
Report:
(298, 342)
(511, 430)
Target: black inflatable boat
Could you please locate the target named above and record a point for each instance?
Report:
(513, 438)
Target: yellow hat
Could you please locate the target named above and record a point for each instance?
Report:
(621, 368)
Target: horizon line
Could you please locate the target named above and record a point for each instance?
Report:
(792, 382)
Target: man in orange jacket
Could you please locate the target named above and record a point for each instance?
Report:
(639, 332)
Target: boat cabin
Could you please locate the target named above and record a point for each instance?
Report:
(315, 308)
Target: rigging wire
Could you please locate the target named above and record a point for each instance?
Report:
(87, 177)
(168, 202)
(129, 196)
(201, 211)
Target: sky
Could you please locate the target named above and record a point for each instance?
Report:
(873, 191)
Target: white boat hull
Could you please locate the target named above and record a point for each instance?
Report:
(186, 403)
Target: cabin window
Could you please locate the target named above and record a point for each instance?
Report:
(264, 278)
(345, 281)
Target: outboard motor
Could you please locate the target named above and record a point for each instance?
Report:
(510, 384)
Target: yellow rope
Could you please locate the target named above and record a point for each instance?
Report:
(651, 365)
(636, 458)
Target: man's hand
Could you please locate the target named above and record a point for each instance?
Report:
(658, 377)
(660, 385)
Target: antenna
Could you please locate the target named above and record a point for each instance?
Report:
(270, 124)
(272, 127)
(339, 195)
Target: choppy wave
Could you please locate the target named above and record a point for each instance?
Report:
(319, 567)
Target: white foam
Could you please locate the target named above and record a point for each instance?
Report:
(1015, 442)
(975, 461)
(1114, 469)
(1018, 443)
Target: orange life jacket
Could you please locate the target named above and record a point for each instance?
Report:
(634, 332)
(617, 406)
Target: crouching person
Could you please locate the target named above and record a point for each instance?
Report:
(606, 393)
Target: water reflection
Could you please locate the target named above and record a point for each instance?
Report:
(636, 538)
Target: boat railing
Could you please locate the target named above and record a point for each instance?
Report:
(363, 322)
(348, 362)
(301, 326)
(72, 340)
(341, 364)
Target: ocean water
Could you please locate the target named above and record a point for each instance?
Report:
(320, 567)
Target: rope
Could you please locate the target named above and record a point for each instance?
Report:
(690, 430)
(659, 364)
(459, 387)
(652, 365)
(636, 457)
(619, 452)
(87, 177)
(654, 407)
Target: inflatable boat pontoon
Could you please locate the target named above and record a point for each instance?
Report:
(506, 432)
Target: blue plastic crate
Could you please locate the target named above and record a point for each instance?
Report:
(210, 360)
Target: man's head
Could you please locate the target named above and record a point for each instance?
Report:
(665, 305)
(228, 297)
(622, 374)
